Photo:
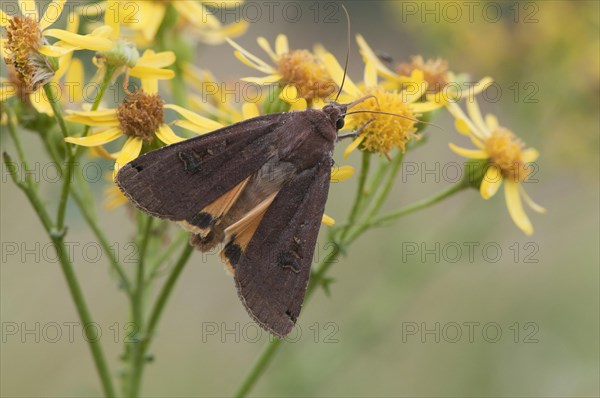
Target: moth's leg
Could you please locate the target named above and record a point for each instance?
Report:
(355, 133)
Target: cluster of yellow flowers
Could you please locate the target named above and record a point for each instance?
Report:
(399, 98)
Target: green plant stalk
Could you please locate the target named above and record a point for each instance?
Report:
(360, 191)
(137, 308)
(90, 219)
(57, 238)
(68, 173)
(155, 315)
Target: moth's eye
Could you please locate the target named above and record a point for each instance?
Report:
(339, 124)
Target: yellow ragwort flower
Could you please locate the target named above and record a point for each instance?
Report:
(508, 159)
(300, 73)
(442, 85)
(383, 132)
(26, 46)
(140, 117)
(142, 18)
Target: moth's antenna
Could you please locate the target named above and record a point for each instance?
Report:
(347, 55)
(394, 114)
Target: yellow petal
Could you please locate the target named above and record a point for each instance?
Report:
(130, 151)
(4, 19)
(515, 207)
(475, 114)
(74, 76)
(462, 126)
(354, 145)
(328, 220)
(423, 107)
(250, 110)
(52, 13)
(534, 206)
(491, 182)
(96, 139)
(29, 9)
(458, 113)
(342, 173)
(55, 51)
(271, 79)
(40, 102)
(530, 155)
(100, 152)
(299, 104)
(150, 72)
(482, 85)
(73, 22)
(414, 90)
(91, 117)
(491, 122)
(166, 135)
(157, 60)
(112, 19)
(218, 36)
(150, 86)
(289, 93)
(468, 153)
(369, 55)
(87, 42)
(264, 44)
(199, 121)
(250, 59)
(196, 14)
(370, 74)
(337, 74)
(281, 45)
(192, 127)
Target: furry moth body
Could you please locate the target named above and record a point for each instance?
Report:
(258, 188)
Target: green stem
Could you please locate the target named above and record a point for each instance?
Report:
(409, 209)
(137, 306)
(57, 109)
(68, 172)
(65, 262)
(11, 120)
(360, 191)
(85, 206)
(155, 315)
(84, 316)
(383, 194)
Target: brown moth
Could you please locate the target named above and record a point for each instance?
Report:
(257, 187)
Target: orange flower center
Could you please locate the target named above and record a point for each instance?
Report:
(385, 131)
(505, 151)
(435, 71)
(303, 70)
(24, 40)
(141, 114)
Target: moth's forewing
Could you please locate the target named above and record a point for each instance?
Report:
(178, 180)
(272, 273)
(259, 187)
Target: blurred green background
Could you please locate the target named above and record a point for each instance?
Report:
(370, 338)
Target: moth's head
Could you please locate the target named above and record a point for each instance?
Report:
(336, 113)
